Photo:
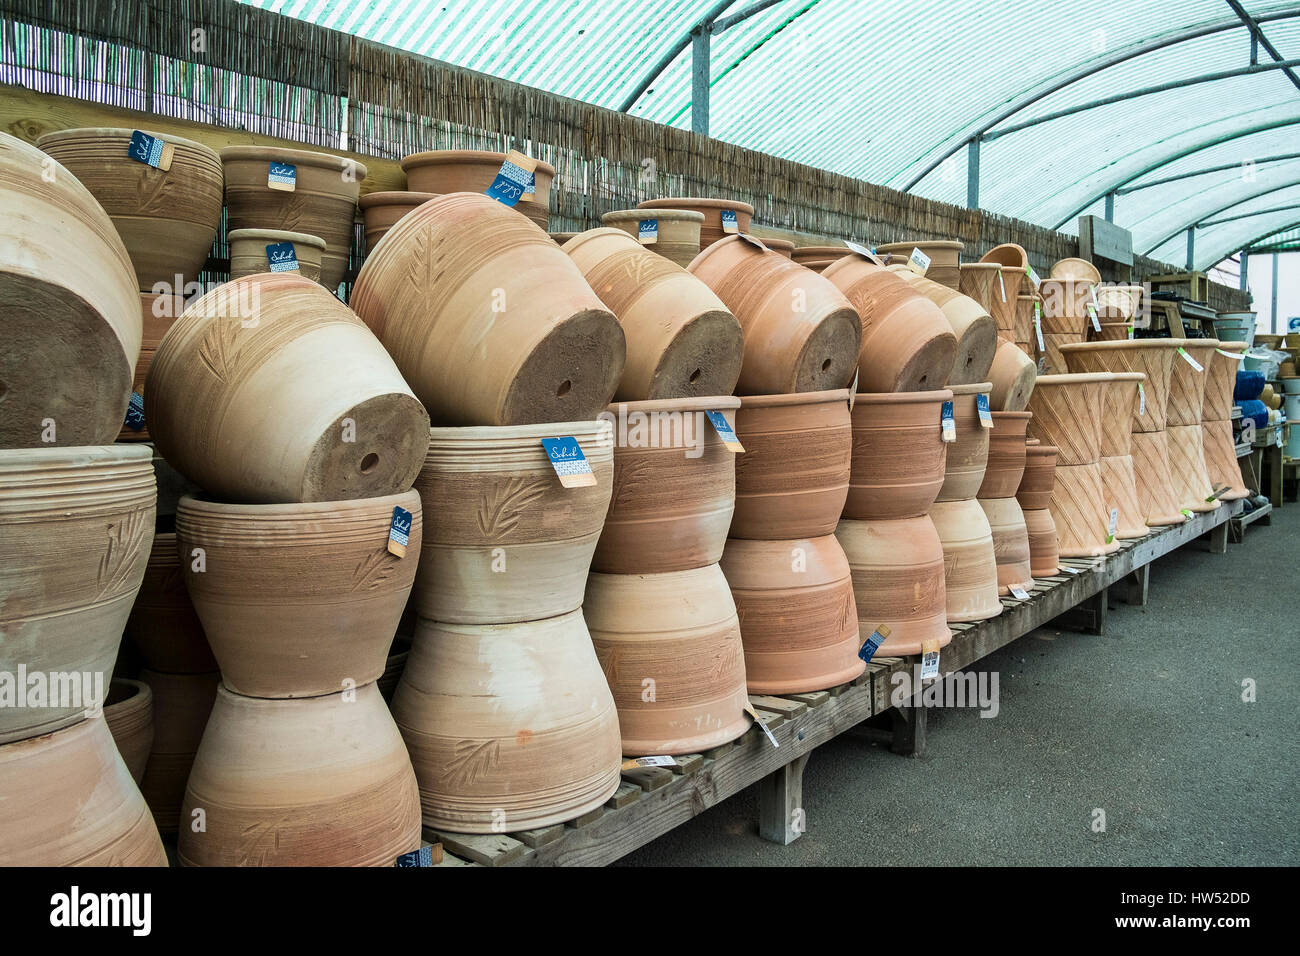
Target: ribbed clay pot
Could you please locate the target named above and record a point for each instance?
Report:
(801, 333)
(1186, 384)
(974, 328)
(69, 800)
(268, 389)
(167, 218)
(163, 626)
(793, 477)
(1076, 269)
(1221, 465)
(1044, 556)
(464, 283)
(970, 564)
(1081, 511)
(327, 784)
(979, 280)
(298, 600)
(157, 313)
(129, 714)
(473, 171)
(898, 580)
(1152, 357)
(907, 342)
(1035, 490)
(323, 202)
(1010, 543)
(1156, 492)
(679, 631)
(1006, 455)
(181, 705)
(1013, 260)
(510, 543)
(798, 621)
(250, 255)
(898, 454)
(968, 455)
(677, 230)
(381, 211)
(944, 258)
(75, 530)
(1221, 376)
(819, 258)
(69, 296)
(508, 718)
(1013, 375)
(711, 229)
(681, 340)
(1191, 481)
(674, 487)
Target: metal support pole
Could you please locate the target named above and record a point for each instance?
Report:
(1244, 283)
(700, 78)
(1110, 207)
(973, 174)
(1254, 49)
(1191, 248)
(1272, 316)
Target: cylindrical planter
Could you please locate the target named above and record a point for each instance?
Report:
(509, 543)
(157, 313)
(711, 229)
(381, 211)
(1187, 382)
(129, 714)
(1152, 357)
(1068, 414)
(793, 477)
(75, 529)
(1118, 304)
(328, 783)
(1053, 358)
(1035, 491)
(1220, 377)
(670, 647)
(1235, 327)
(1119, 486)
(1010, 543)
(898, 454)
(1006, 455)
(1081, 511)
(1013, 374)
(979, 280)
(250, 252)
(163, 626)
(462, 283)
(1044, 557)
(1221, 465)
(681, 340)
(1191, 482)
(974, 328)
(1155, 486)
(797, 617)
(1013, 261)
(181, 705)
(473, 171)
(298, 600)
(507, 719)
(944, 258)
(323, 201)
(968, 455)
(676, 232)
(801, 333)
(970, 564)
(782, 246)
(268, 389)
(69, 800)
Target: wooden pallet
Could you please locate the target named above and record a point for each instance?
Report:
(1237, 527)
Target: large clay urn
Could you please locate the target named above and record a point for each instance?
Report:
(898, 455)
(907, 343)
(268, 389)
(163, 626)
(1013, 261)
(326, 782)
(1188, 474)
(381, 211)
(974, 328)
(1013, 375)
(681, 340)
(801, 333)
(251, 252)
(298, 600)
(670, 647)
(674, 486)
(510, 543)
(167, 218)
(798, 621)
(464, 283)
(898, 580)
(783, 246)
(793, 477)
(69, 800)
(70, 316)
(75, 530)
(509, 726)
(323, 201)
(1034, 497)
(672, 233)
(968, 455)
(944, 258)
(1010, 543)
(1187, 381)
(970, 561)
(181, 705)
(157, 313)
(128, 710)
(1185, 439)
(711, 228)
(1220, 377)
(473, 171)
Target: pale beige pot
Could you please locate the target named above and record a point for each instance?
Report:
(1022, 330)
(1191, 481)
(898, 454)
(181, 705)
(968, 455)
(976, 332)
(1044, 556)
(1221, 465)
(678, 230)
(509, 726)
(1081, 512)
(1013, 375)
(1010, 543)
(163, 626)
(249, 255)
(1186, 384)
(1118, 304)
(797, 617)
(69, 294)
(1155, 485)
(1068, 413)
(129, 713)
(381, 211)
(1119, 487)
(1152, 357)
(1006, 455)
(75, 529)
(328, 784)
(509, 543)
(944, 258)
(1076, 269)
(70, 801)
(1035, 489)
(1220, 378)
(979, 280)
(679, 631)
(711, 209)
(298, 600)
(970, 563)
(157, 313)
(473, 171)
(1006, 287)
(268, 389)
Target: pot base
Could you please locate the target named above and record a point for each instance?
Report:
(1153, 483)
(970, 565)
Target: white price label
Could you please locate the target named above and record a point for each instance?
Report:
(1092, 315)
(929, 660)
(1002, 285)
(1142, 399)
(1019, 593)
(919, 262)
(1191, 361)
(1038, 325)
(1113, 526)
(749, 709)
(1033, 276)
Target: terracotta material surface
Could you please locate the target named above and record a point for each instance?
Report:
(381, 211)
(1010, 543)
(711, 228)
(1053, 359)
(979, 280)
(512, 719)
(157, 313)
(970, 564)
(1118, 304)
(1119, 488)
(1109, 332)
(1006, 455)
(1076, 269)
(1119, 406)
(1155, 486)
(944, 258)
(1022, 330)
(181, 705)
(976, 332)
(1152, 357)
(129, 713)
(163, 626)
(249, 256)
(1081, 511)
(1220, 377)
(1044, 556)
(819, 258)
(1068, 414)
(798, 621)
(678, 230)
(394, 667)
(1006, 288)
(783, 246)
(473, 171)
(1013, 375)
(1191, 480)
(968, 455)
(1035, 491)
(1186, 384)
(898, 454)
(1221, 460)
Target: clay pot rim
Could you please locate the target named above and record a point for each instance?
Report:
(1235, 315)
(1024, 256)
(670, 202)
(1033, 441)
(933, 243)
(1011, 416)
(770, 241)
(702, 403)
(298, 157)
(447, 157)
(1057, 273)
(1198, 343)
(1043, 450)
(120, 132)
(1124, 376)
(1078, 378)
(727, 242)
(1068, 280)
(903, 398)
(972, 389)
(395, 197)
(981, 266)
(823, 397)
(1119, 344)
(825, 250)
(313, 510)
(138, 687)
(298, 238)
(475, 434)
(588, 234)
(78, 455)
(636, 215)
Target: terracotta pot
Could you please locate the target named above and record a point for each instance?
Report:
(979, 280)
(268, 389)
(1006, 455)
(167, 218)
(976, 332)
(71, 298)
(1022, 329)
(1221, 460)
(1035, 491)
(1110, 332)
(249, 253)
(798, 621)
(1118, 304)
(381, 211)
(1119, 406)
(674, 487)
(897, 570)
(680, 631)
(1068, 414)
(819, 258)
(970, 564)
(1013, 375)
(969, 454)
(1191, 481)
(510, 543)
(944, 258)
(1076, 269)
(793, 477)
(181, 705)
(70, 801)
(801, 334)
(1155, 487)
(323, 202)
(1220, 377)
(677, 230)
(473, 171)
(711, 228)
(1065, 306)
(907, 342)
(1013, 260)
(328, 784)
(1119, 488)
(1053, 358)
(158, 312)
(561, 238)
(129, 714)
(681, 340)
(75, 530)
(462, 282)
(394, 667)
(898, 454)
(332, 627)
(1152, 357)
(783, 246)
(1010, 543)
(1044, 559)
(1008, 254)
(1186, 384)
(163, 626)
(512, 719)
(1081, 511)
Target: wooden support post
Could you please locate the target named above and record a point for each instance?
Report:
(909, 730)
(1088, 616)
(1219, 539)
(780, 803)
(1138, 583)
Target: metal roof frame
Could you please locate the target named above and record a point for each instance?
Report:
(1232, 205)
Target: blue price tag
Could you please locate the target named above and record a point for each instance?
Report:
(135, 413)
(982, 406)
(569, 462)
(948, 423)
(725, 431)
(282, 176)
(647, 231)
(872, 643)
(281, 257)
(729, 222)
(421, 857)
(512, 183)
(150, 150)
(399, 532)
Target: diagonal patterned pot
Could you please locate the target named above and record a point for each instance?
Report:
(1221, 465)
(1187, 382)
(1155, 486)
(1191, 480)
(1221, 376)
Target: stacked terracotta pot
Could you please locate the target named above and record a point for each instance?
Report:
(720, 217)
(997, 497)
(944, 256)
(994, 283)
(1034, 495)
(1187, 462)
(976, 332)
(672, 233)
(1117, 310)
(1216, 422)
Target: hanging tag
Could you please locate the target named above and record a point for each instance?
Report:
(918, 262)
(1130, 331)
(647, 231)
(1231, 355)
(725, 431)
(282, 176)
(864, 252)
(1113, 526)
(135, 412)
(641, 762)
(1038, 325)
(1002, 285)
(1033, 276)
(424, 856)
(929, 659)
(150, 150)
(1142, 399)
(281, 257)
(1092, 291)
(569, 462)
(982, 406)
(1019, 593)
(948, 423)
(1278, 442)
(514, 180)
(749, 709)
(399, 532)
(1191, 361)
(1092, 315)
(872, 643)
(1217, 492)
(853, 388)
(1069, 570)
(729, 222)
(753, 241)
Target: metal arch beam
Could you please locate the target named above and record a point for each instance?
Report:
(1257, 37)
(1249, 215)
(1204, 171)
(666, 60)
(1224, 208)
(1246, 247)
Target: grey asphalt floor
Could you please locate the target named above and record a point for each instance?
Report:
(1146, 723)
